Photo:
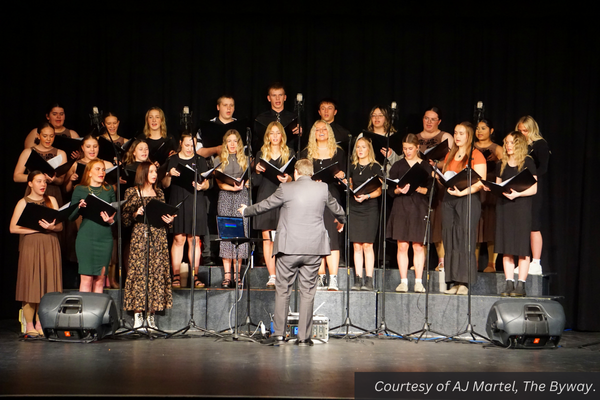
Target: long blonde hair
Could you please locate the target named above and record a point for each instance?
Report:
(470, 130)
(313, 149)
(533, 130)
(520, 150)
(370, 155)
(163, 123)
(241, 157)
(266, 147)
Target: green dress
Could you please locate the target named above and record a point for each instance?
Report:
(94, 241)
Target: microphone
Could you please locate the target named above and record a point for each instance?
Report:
(95, 118)
(479, 111)
(185, 118)
(393, 107)
(299, 102)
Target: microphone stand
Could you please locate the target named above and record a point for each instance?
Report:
(469, 329)
(250, 263)
(191, 323)
(426, 240)
(347, 322)
(236, 243)
(383, 329)
(144, 329)
(299, 108)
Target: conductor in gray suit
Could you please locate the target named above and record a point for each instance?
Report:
(300, 243)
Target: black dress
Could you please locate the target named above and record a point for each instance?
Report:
(184, 221)
(540, 152)
(266, 187)
(364, 217)
(334, 189)
(514, 217)
(407, 219)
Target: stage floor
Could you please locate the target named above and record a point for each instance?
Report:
(202, 366)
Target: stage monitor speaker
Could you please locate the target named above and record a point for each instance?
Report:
(526, 323)
(78, 317)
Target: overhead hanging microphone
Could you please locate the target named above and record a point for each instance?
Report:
(479, 112)
(185, 118)
(96, 118)
(394, 107)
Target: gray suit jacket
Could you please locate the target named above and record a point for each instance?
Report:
(300, 229)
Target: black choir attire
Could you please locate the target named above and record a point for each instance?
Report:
(407, 220)
(364, 217)
(335, 190)
(266, 187)
(184, 221)
(514, 217)
(159, 149)
(540, 152)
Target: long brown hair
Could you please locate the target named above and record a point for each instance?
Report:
(141, 174)
(470, 130)
(30, 178)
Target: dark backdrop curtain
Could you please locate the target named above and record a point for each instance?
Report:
(128, 62)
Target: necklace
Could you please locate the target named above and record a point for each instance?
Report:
(95, 192)
(361, 168)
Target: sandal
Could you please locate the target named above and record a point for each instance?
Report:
(197, 282)
(227, 281)
(176, 283)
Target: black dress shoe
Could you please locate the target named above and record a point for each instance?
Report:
(274, 340)
(305, 343)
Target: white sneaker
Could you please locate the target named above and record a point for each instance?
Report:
(138, 320)
(271, 282)
(321, 282)
(151, 322)
(419, 288)
(333, 284)
(402, 288)
(535, 268)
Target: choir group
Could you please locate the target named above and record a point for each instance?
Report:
(154, 167)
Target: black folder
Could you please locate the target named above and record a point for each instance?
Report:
(67, 144)
(33, 213)
(155, 209)
(416, 176)
(520, 182)
(272, 172)
(95, 205)
(436, 153)
(36, 162)
(368, 186)
(380, 141)
(327, 174)
(228, 179)
(460, 180)
(211, 133)
(186, 178)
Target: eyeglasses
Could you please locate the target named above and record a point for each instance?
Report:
(427, 119)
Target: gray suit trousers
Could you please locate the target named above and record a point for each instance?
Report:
(290, 267)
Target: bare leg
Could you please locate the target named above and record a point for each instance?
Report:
(523, 268)
(268, 252)
(98, 282)
(509, 267)
(358, 259)
(86, 283)
(403, 259)
(198, 251)
(369, 258)
(333, 262)
(177, 252)
(418, 259)
(536, 245)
